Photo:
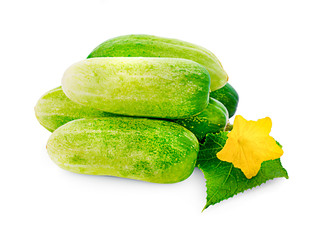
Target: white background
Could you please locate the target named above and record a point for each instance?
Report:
(274, 54)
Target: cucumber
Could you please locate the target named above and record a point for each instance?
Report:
(228, 97)
(144, 149)
(153, 46)
(148, 87)
(54, 109)
(213, 119)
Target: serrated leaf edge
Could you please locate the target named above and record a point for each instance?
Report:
(208, 205)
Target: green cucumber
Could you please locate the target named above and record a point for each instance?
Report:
(213, 119)
(148, 87)
(138, 148)
(153, 46)
(228, 97)
(54, 109)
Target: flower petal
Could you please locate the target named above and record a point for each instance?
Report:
(249, 144)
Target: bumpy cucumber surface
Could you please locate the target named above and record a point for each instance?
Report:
(148, 87)
(228, 97)
(213, 119)
(153, 46)
(54, 109)
(137, 148)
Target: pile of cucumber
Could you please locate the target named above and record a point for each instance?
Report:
(137, 107)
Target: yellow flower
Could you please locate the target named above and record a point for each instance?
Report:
(249, 144)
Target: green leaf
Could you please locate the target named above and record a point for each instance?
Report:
(223, 180)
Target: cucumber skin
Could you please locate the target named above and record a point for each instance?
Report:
(153, 46)
(213, 119)
(167, 88)
(228, 96)
(54, 109)
(137, 148)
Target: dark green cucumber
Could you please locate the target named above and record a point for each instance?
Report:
(137, 148)
(213, 119)
(228, 97)
(153, 46)
(170, 88)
